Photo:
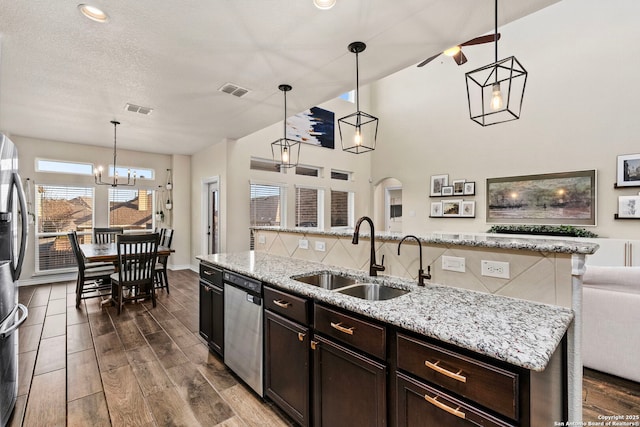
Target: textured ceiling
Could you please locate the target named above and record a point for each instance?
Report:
(63, 77)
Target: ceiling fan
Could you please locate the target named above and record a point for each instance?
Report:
(456, 51)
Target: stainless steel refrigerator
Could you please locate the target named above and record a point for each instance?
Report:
(13, 241)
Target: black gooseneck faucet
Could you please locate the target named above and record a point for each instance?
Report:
(421, 275)
(373, 267)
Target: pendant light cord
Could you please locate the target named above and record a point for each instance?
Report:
(495, 34)
(284, 122)
(115, 126)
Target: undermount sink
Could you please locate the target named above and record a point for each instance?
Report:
(372, 291)
(327, 280)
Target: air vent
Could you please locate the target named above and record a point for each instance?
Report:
(138, 109)
(234, 90)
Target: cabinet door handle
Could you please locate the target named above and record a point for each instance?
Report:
(207, 272)
(301, 336)
(434, 401)
(314, 344)
(454, 375)
(343, 329)
(281, 303)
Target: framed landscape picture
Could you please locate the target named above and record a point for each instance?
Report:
(458, 187)
(447, 190)
(451, 207)
(554, 198)
(628, 171)
(437, 182)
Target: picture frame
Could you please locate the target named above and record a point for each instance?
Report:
(437, 182)
(469, 188)
(458, 187)
(468, 208)
(629, 206)
(628, 170)
(447, 190)
(567, 198)
(451, 207)
(436, 209)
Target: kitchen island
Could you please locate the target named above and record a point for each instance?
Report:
(523, 334)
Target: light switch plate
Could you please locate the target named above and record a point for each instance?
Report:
(320, 246)
(303, 244)
(453, 263)
(497, 269)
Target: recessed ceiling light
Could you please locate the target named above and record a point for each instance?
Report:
(93, 13)
(324, 4)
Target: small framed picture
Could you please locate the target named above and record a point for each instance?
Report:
(469, 188)
(447, 190)
(458, 187)
(628, 171)
(436, 209)
(437, 182)
(451, 207)
(629, 206)
(468, 208)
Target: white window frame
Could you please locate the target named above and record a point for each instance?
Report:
(351, 203)
(319, 205)
(283, 198)
(63, 162)
(348, 173)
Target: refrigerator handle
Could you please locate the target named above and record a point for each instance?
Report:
(4, 331)
(25, 224)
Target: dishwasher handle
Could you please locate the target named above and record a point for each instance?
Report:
(254, 299)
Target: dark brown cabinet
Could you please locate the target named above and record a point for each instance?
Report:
(212, 308)
(349, 385)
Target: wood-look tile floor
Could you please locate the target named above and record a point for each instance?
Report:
(148, 366)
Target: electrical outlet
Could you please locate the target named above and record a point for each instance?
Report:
(453, 263)
(303, 244)
(320, 246)
(497, 269)
(262, 239)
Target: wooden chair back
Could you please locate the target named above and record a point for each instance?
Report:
(137, 255)
(75, 247)
(106, 235)
(166, 236)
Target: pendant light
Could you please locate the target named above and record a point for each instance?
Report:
(286, 152)
(358, 131)
(114, 183)
(495, 91)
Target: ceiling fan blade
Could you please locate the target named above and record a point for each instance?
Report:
(459, 58)
(426, 61)
(482, 39)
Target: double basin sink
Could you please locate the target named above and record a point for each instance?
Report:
(351, 286)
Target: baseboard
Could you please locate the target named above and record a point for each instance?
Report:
(180, 267)
(54, 278)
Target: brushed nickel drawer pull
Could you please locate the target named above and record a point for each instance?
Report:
(434, 401)
(301, 336)
(281, 303)
(342, 329)
(455, 375)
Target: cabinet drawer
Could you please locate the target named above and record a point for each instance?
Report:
(294, 307)
(211, 274)
(363, 335)
(490, 386)
(422, 405)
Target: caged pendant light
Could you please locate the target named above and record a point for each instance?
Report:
(495, 91)
(358, 131)
(285, 151)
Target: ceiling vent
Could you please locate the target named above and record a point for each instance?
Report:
(138, 109)
(234, 90)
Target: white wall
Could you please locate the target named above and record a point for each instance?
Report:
(29, 149)
(580, 111)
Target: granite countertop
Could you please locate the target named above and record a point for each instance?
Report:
(519, 332)
(483, 240)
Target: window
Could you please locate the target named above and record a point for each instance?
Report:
(349, 96)
(141, 173)
(340, 175)
(130, 208)
(309, 207)
(60, 209)
(341, 208)
(307, 170)
(266, 205)
(59, 166)
(263, 165)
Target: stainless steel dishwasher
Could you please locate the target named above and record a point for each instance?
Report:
(243, 328)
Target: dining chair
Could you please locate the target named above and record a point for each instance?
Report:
(93, 277)
(137, 254)
(106, 235)
(162, 280)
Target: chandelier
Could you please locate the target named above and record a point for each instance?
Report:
(98, 172)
